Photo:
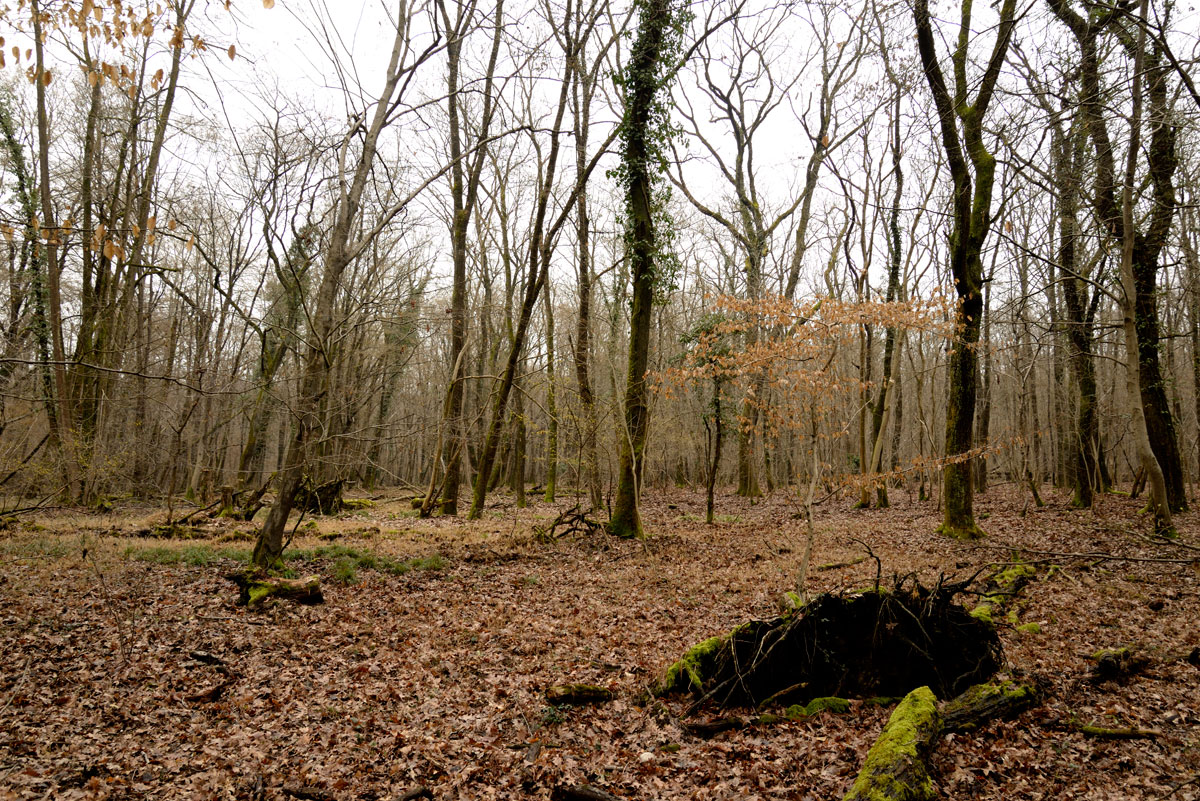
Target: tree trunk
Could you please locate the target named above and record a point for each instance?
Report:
(551, 404)
(464, 189)
(638, 160)
(972, 219)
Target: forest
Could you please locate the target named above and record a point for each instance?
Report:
(599, 399)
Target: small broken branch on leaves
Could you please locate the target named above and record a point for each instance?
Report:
(578, 694)
(569, 521)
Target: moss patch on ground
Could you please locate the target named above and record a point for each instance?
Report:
(828, 703)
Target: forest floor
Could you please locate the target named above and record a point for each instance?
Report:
(426, 666)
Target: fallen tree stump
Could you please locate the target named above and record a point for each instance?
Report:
(984, 702)
(876, 643)
(257, 587)
(896, 768)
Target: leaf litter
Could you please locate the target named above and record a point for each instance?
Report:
(125, 678)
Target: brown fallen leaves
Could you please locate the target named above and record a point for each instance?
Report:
(157, 686)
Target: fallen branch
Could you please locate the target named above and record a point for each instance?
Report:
(571, 521)
(1095, 556)
(1117, 734)
(840, 565)
(711, 728)
(578, 694)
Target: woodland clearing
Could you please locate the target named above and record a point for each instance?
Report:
(130, 673)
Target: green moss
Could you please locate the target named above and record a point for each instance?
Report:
(1014, 573)
(1111, 653)
(257, 594)
(984, 611)
(969, 532)
(833, 704)
(894, 768)
(978, 693)
(1030, 628)
(688, 673)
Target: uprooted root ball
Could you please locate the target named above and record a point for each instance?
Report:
(876, 643)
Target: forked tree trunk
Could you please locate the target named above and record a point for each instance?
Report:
(972, 219)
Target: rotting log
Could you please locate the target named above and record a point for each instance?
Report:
(1000, 589)
(896, 768)
(256, 587)
(578, 694)
(985, 702)
(707, 729)
(876, 643)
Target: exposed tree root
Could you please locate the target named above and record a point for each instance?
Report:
(877, 643)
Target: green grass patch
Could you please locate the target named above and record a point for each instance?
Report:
(193, 555)
(362, 559)
(345, 571)
(38, 547)
(346, 561)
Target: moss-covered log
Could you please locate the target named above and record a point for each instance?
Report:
(897, 764)
(257, 587)
(984, 702)
(875, 643)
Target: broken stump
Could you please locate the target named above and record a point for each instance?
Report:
(320, 499)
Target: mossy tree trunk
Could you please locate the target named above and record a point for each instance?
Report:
(971, 222)
(642, 84)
